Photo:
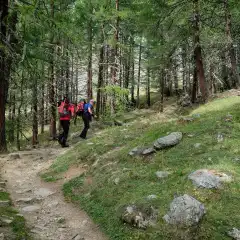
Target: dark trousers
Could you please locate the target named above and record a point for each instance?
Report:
(63, 136)
(86, 119)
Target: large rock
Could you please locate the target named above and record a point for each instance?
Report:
(139, 216)
(208, 178)
(234, 233)
(168, 141)
(185, 211)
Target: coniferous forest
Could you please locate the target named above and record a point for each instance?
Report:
(115, 51)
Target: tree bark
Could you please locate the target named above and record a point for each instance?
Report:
(139, 74)
(3, 77)
(230, 47)
(198, 52)
(90, 43)
(148, 97)
(100, 80)
(35, 112)
(133, 72)
(194, 86)
(53, 129)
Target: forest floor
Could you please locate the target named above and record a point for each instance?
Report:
(99, 176)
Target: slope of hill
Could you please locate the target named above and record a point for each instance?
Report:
(113, 178)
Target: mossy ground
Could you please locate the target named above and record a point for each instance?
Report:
(101, 197)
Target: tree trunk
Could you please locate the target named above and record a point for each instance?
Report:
(133, 72)
(67, 90)
(194, 86)
(100, 79)
(230, 47)
(18, 128)
(226, 83)
(184, 58)
(76, 82)
(139, 74)
(90, 43)
(148, 97)
(35, 112)
(53, 129)
(162, 76)
(3, 77)
(198, 52)
(42, 115)
(211, 79)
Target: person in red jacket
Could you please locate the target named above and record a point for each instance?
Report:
(66, 112)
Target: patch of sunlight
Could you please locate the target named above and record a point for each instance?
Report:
(218, 105)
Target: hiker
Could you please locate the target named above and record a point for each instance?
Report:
(80, 107)
(87, 118)
(66, 111)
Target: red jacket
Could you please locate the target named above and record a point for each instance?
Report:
(66, 112)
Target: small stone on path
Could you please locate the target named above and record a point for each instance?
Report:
(32, 208)
(116, 181)
(2, 184)
(5, 220)
(43, 192)
(25, 200)
(78, 237)
(14, 156)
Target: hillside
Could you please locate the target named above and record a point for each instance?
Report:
(113, 178)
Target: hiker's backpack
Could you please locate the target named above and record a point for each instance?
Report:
(80, 108)
(63, 112)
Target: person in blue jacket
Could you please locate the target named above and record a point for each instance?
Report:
(87, 118)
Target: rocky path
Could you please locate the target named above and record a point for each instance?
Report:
(42, 204)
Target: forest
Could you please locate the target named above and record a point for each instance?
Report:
(115, 51)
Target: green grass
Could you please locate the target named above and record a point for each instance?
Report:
(102, 198)
(17, 230)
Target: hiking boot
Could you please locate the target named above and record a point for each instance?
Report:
(65, 145)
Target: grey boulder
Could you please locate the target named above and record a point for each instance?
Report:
(208, 178)
(168, 141)
(185, 211)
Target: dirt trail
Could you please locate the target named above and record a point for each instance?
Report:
(42, 204)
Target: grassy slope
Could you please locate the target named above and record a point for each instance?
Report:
(101, 198)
